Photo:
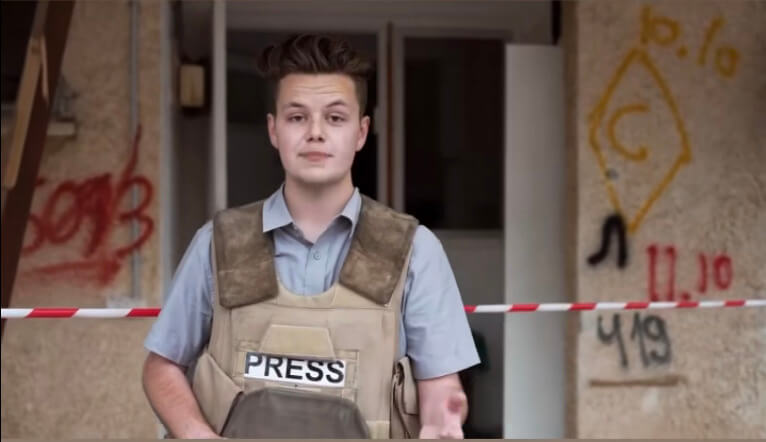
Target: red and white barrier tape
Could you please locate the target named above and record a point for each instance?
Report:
(584, 306)
(15, 313)
(66, 312)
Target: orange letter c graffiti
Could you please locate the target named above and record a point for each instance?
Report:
(634, 155)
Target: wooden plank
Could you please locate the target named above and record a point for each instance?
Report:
(30, 79)
(19, 198)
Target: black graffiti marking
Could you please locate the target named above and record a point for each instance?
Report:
(653, 327)
(649, 330)
(616, 333)
(613, 223)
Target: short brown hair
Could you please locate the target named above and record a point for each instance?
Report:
(314, 54)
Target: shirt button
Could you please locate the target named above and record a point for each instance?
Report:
(317, 256)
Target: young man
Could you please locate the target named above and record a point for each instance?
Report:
(317, 298)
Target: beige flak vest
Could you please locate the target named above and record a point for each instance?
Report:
(284, 365)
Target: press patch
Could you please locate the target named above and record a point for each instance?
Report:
(299, 371)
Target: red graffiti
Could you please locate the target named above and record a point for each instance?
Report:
(96, 201)
(702, 282)
(652, 251)
(723, 273)
(671, 252)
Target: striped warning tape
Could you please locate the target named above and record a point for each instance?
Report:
(67, 312)
(583, 306)
(16, 313)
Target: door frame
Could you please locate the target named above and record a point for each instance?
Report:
(399, 35)
(392, 23)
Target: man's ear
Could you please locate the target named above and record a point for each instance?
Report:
(272, 125)
(364, 127)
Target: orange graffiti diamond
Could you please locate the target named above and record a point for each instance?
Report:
(610, 114)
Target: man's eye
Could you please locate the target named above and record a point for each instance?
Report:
(295, 118)
(337, 118)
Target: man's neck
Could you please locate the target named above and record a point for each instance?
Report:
(314, 207)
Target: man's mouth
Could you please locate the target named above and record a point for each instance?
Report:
(315, 156)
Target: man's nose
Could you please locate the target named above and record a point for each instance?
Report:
(316, 130)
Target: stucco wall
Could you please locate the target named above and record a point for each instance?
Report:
(80, 377)
(671, 136)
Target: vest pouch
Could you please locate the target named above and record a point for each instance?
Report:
(286, 413)
(214, 390)
(405, 419)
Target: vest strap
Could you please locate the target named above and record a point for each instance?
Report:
(245, 255)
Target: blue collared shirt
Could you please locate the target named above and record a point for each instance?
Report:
(434, 327)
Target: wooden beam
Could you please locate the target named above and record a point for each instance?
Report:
(42, 68)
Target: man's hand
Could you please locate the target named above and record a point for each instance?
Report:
(203, 434)
(443, 408)
(171, 398)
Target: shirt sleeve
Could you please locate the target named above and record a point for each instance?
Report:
(438, 338)
(183, 327)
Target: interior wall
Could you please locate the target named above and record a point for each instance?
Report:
(75, 378)
(454, 131)
(192, 177)
(194, 39)
(477, 260)
(534, 234)
(671, 143)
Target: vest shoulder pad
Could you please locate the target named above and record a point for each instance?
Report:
(378, 251)
(244, 257)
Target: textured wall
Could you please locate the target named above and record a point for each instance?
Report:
(81, 378)
(692, 94)
(671, 134)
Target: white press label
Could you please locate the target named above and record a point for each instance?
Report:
(299, 371)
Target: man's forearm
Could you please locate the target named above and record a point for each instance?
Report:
(443, 407)
(435, 396)
(171, 398)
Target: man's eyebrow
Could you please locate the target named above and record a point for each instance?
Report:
(293, 104)
(338, 103)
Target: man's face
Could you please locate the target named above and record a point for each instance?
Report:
(317, 128)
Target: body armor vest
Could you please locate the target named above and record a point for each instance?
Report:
(284, 365)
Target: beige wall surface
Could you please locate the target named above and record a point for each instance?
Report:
(671, 137)
(80, 377)
(666, 113)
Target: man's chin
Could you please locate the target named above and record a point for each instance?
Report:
(318, 180)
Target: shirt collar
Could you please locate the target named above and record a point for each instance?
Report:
(276, 214)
